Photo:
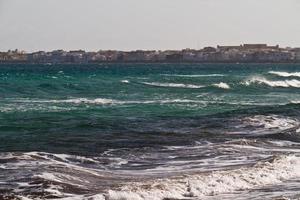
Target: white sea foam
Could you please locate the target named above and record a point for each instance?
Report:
(124, 81)
(265, 124)
(41, 104)
(195, 184)
(62, 178)
(295, 102)
(173, 85)
(170, 101)
(194, 75)
(219, 182)
(25, 108)
(23, 198)
(272, 122)
(75, 101)
(222, 85)
(262, 80)
(91, 101)
(105, 101)
(285, 74)
(181, 85)
(82, 197)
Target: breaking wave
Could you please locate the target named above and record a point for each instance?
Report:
(222, 85)
(272, 122)
(59, 178)
(200, 185)
(262, 80)
(285, 74)
(105, 101)
(264, 125)
(194, 75)
(295, 102)
(173, 85)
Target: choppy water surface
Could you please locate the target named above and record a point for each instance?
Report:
(154, 132)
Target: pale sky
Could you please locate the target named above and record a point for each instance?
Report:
(146, 24)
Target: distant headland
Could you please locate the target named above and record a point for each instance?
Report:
(246, 53)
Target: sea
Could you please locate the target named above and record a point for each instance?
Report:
(150, 131)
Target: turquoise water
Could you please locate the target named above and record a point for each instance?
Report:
(150, 120)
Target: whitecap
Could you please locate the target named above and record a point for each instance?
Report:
(272, 122)
(264, 125)
(105, 101)
(173, 85)
(75, 101)
(124, 81)
(222, 85)
(295, 102)
(194, 75)
(285, 74)
(219, 182)
(262, 80)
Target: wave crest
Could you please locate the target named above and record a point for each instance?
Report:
(124, 81)
(264, 125)
(195, 75)
(285, 74)
(219, 182)
(105, 101)
(173, 85)
(262, 80)
(222, 85)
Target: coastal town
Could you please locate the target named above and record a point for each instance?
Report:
(246, 53)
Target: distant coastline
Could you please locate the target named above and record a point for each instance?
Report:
(247, 53)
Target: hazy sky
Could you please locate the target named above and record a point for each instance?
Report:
(146, 24)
